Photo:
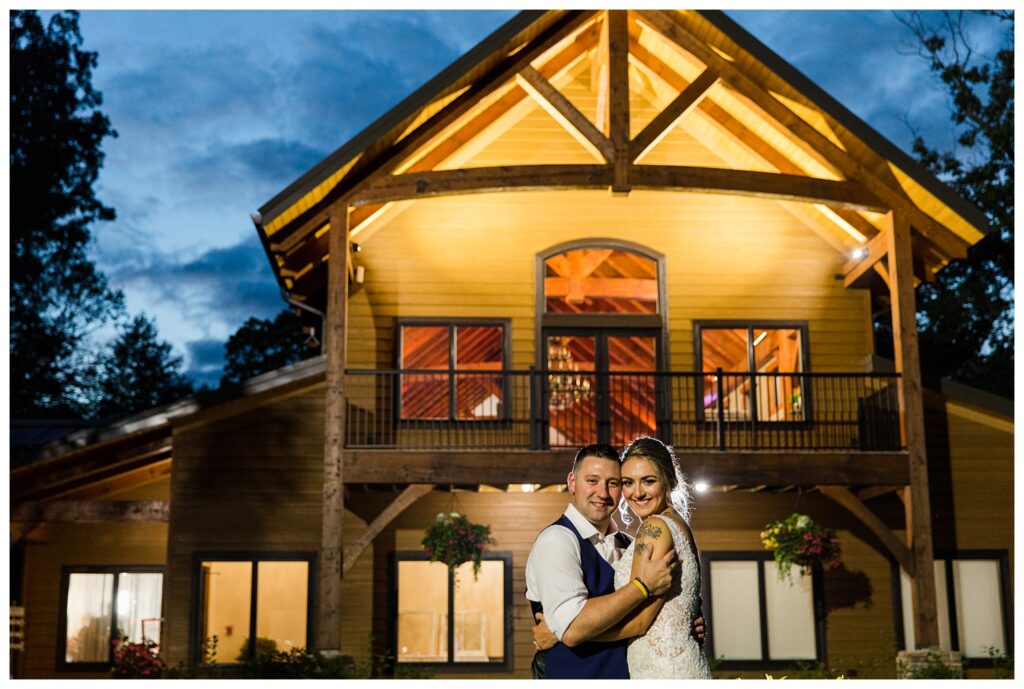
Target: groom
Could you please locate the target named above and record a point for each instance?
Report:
(569, 576)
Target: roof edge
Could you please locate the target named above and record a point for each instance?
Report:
(393, 117)
(857, 126)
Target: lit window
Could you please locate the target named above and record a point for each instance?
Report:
(742, 588)
(429, 596)
(104, 604)
(978, 622)
(760, 373)
(599, 280)
(468, 358)
(263, 599)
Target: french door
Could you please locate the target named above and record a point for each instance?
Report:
(600, 385)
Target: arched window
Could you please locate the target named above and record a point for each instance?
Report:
(600, 280)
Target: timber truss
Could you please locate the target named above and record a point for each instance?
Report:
(646, 77)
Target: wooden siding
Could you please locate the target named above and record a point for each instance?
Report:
(726, 258)
(250, 484)
(54, 546)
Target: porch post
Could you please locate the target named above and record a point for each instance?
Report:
(917, 503)
(328, 628)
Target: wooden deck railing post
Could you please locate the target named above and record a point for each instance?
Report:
(328, 629)
(918, 509)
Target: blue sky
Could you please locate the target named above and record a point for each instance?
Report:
(218, 111)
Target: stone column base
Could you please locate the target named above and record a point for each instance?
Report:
(929, 663)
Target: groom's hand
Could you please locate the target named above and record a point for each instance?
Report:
(656, 574)
(698, 631)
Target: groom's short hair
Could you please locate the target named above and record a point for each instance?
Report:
(599, 450)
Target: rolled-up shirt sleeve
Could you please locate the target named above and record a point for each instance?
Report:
(554, 577)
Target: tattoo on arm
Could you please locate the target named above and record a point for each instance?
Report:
(646, 531)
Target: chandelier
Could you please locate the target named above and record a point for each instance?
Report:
(566, 385)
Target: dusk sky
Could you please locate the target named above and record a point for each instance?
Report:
(218, 111)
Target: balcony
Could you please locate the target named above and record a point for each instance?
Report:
(541, 410)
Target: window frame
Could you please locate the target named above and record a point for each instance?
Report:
(750, 325)
(766, 662)
(505, 665)
(196, 645)
(62, 621)
(452, 323)
(1006, 600)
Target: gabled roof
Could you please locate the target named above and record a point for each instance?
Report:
(842, 149)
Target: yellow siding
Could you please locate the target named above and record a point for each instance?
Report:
(727, 258)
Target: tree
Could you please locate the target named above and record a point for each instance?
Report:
(965, 317)
(262, 345)
(138, 372)
(58, 297)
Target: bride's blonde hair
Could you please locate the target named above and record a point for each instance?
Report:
(667, 465)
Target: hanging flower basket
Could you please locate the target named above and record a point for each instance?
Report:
(454, 540)
(798, 541)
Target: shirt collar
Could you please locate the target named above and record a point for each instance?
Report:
(583, 525)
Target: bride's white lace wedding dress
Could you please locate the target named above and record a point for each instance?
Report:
(668, 649)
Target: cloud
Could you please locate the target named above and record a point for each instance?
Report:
(205, 361)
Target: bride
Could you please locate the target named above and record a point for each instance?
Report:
(661, 647)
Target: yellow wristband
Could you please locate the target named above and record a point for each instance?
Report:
(643, 589)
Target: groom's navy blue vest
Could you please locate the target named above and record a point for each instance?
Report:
(590, 660)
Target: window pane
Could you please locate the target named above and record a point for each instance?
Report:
(478, 348)
(425, 396)
(979, 614)
(422, 611)
(228, 597)
(281, 601)
(89, 611)
(735, 610)
(600, 281)
(726, 348)
(572, 390)
(790, 609)
(941, 606)
(480, 613)
(777, 352)
(631, 395)
(138, 605)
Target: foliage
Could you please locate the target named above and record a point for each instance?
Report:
(934, 667)
(136, 660)
(453, 540)
(798, 540)
(965, 316)
(57, 297)
(138, 372)
(1002, 664)
(262, 345)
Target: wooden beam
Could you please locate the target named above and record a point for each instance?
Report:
(855, 268)
(333, 507)
(943, 237)
(877, 491)
(483, 180)
(89, 465)
(661, 125)
(91, 511)
(408, 496)
(770, 185)
(918, 509)
(848, 500)
(618, 101)
(565, 113)
(717, 468)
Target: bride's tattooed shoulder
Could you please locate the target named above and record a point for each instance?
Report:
(648, 531)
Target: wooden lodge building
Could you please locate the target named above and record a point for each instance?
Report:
(593, 225)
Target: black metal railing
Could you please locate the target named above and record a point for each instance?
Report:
(539, 409)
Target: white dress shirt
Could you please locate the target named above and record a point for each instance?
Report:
(554, 570)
